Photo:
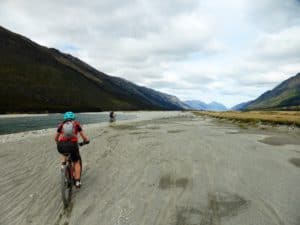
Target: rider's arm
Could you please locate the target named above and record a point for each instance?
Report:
(56, 137)
(58, 132)
(85, 138)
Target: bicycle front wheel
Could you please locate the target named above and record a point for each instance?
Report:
(66, 186)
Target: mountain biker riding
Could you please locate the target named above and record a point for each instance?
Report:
(67, 143)
(112, 116)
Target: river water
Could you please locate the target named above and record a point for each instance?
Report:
(10, 125)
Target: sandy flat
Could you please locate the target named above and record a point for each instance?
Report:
(164, 168)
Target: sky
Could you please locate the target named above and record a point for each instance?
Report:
(229, 51)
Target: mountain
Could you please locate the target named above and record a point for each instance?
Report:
(241, 106)
(195, 104)
(284, 96)
(199, 105)
(215, 106)
(35, 78)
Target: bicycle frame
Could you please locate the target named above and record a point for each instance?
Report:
(70, 167)
(67, 179)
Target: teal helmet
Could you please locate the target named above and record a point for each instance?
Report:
(69, 116)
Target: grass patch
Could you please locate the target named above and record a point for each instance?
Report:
(243, 126)
(256, 117)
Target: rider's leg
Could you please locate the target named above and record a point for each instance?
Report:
(77, 168)
(63, 159)
(62, 149)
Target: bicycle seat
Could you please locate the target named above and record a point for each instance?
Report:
(68, 155)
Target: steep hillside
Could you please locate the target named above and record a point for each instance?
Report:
(240, 106)
(34, 78)
(286, 95)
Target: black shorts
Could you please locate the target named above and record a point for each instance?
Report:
(68, 147)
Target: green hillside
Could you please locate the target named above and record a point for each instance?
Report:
(285, 96)
(34, 78)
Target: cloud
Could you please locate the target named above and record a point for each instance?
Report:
(283, 45)
(228, 51)
(273, 15)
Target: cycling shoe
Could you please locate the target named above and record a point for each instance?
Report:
(77, 184)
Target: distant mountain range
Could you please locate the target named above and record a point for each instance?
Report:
(34, 78)
(199, 105)
(284, 96)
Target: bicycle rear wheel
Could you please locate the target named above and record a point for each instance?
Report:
(66, 186)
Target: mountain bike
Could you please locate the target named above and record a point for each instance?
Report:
(67, 178)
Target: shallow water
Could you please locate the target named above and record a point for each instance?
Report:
(19, 124)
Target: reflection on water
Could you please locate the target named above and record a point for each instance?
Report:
(19, 124)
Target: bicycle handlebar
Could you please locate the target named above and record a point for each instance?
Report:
(83, 143)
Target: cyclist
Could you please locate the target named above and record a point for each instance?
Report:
(67, 143)
(112, 116)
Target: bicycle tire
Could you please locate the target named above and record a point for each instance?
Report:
(80, 166)
(66, 186)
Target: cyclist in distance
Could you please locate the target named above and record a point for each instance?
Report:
(67, 143)
(112, 116)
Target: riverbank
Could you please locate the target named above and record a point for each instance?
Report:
(134, 115)
(160, 168)
(255, 117)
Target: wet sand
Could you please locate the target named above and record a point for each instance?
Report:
(167, 168)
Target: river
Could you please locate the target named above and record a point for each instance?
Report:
(14, 124)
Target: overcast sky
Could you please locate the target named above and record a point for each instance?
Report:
(228, 51)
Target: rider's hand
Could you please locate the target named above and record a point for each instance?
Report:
(86, 141)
